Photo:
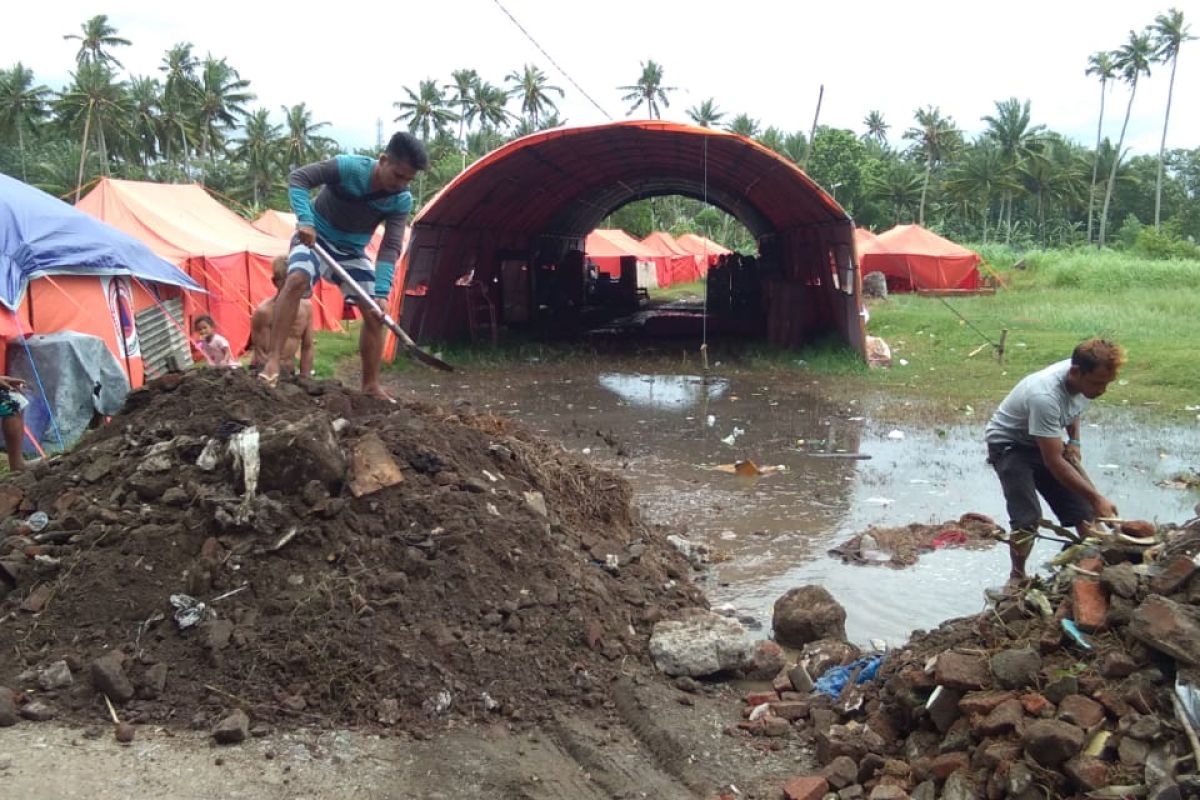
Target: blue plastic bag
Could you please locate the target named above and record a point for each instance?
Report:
(836, 678)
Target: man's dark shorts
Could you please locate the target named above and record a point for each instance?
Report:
(1024, 476)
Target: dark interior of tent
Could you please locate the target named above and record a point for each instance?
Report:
(502, 248)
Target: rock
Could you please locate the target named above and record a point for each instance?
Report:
(808, 787)
(852, 739)
(875, 285)
(217, 634)
(233, 729)
(819, 656)
(993, 753)
(806, 614)
(1086, 772)
(108, 676)
(766, 661)
(1173, 577)
(1035, 705)
(887, 791)
(1082, 711)
(388, 711)
(176, 497)
(1168, 627)
(701, 644)
(943, 707)
(959, 786)
(154, 681)
(947, 764)
(536, 502)
(1133, 752)
(800, 678)
(1016, 669)
(294, 453)
(926, 790)
(8, 708)
(1008, 716)
(961, 671)
(791, 710)
(841, 772)
(1059, 688)
(853, 792)
(124, 732)
(55, 676)
(1145, 727)
(1120, 579)
(372, 466)
(1050, 742)
(37, 711)
(982, 702)
(1089, 604)
(1116, 664)
(1120, 611)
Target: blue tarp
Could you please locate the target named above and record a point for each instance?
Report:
(42, 235)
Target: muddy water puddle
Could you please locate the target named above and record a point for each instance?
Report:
(836, 469)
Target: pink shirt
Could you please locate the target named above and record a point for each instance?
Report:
(216, 351)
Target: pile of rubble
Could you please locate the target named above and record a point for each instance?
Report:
(227, 556)
(1081, 685)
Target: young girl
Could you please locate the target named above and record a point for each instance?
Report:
(212, 345)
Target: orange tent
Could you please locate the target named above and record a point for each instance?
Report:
(606, 246)
(677, 265)
(276, 223)
(914, 259)
(223, 252)
(702, 246)
(865, 242)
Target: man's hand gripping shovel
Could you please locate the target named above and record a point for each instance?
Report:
(368, 305)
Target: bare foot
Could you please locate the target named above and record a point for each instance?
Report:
(378, 393)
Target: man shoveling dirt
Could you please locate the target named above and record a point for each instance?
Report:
(1025, 446)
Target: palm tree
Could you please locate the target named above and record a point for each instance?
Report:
(22, 106)
(743, 125)
(222, 102)
(876, 128)
(1101, 65)
(1009, 128)
(1132, 60)
(181, 94)
(977, 176)
(464, 83)
(935, 137)
(94, 100)
(303, 143)
(97, 35)
(531, 86)
(487, 107)
(648, 90)
(900, 184)
(706, 115)
(425, 110)
(1170, 32)
(256, 149)
(145, 128)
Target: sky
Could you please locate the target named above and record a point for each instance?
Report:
(764, 58)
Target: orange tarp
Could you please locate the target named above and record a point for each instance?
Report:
(914, 258)
(605, 246)
(276, 223)
(223, 252)
(678, 265)
(865, 242)
(708, 250)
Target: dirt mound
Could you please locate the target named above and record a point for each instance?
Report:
(499, 576)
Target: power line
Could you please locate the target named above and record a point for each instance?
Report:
(556, 65)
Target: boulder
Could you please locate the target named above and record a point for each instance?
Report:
(701, 644)
(806, 614)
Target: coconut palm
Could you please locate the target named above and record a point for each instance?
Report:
(23, 105)
(978, 176)
(257, 150)
(98, 104)
(222, 103)
(743, 125)
(487, 107)
(648, 91)
(181, 95)
(532, 87)
(97, 35)
(1102, 65)
(899, 184)
(425, 110)
(706, 115)
(935, 137)
(302, 143)
(876, 127)
(1132, 60)
(463, 84)
(1016, 139)
(145, 124)
(1170, 32)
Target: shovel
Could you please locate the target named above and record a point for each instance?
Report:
(368, 304)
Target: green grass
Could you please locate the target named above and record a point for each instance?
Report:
(677, 291)
(1151, 307)
(332, 347)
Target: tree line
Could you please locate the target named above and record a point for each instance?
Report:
(1016, 182)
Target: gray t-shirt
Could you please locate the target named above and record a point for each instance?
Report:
(1038, 406)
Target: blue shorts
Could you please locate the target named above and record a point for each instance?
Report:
(302, 258)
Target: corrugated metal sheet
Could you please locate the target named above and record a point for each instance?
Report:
(164, 347)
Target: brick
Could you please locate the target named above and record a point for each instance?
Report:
(1172, 579)
(946, 764)
(962, 671)
(982, 702)
(1006, 717)
(994, 753)
(1034, 704)
(1087, 773)
(1081, 711)
(808, 787)
(790, 711)
(1089, 604)
(758, 698)
(1091, 563)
